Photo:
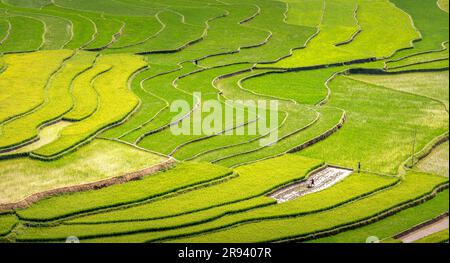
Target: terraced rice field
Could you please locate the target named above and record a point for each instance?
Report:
(188, 121)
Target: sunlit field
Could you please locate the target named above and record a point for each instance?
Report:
(355, 93)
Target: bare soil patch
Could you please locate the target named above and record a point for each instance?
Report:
(318, 181)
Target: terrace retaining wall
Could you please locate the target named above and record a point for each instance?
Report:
(89, 186)
(422, 225)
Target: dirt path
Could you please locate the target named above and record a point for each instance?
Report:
(426, 231)
(322, 179)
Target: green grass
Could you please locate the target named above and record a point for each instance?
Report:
(134, 33)
(412, 187)
(165, 141)
(253, 152)
(375, 40)
(284, 37)
(86, 29)
(338, 25)
(144, 218)
(215, 35)
(21, 177)
(305, 87)
(82, 28)
(380, 128)
(161, 86)
(269, 175)
(433, 85)
(391, 226)
(419, 59)
(232, 90)
(7, 222)
(28, 3)
(219, 29)
(241, 211)
(4, 27)
(432, 65)
(432, 24)
(117, 228)
(151, 105)
(26, 35)
(439, 237)
(106, 27)
(271, 222)
(291, 133)
(110, 7)
(58, 30)
(222, 146)
(239, 36)
(187, 175)
(176, 33)
(113, 92)
(304, 13)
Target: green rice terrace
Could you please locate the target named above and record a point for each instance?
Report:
(356, 93)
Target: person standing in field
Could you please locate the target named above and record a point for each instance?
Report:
(312, 184)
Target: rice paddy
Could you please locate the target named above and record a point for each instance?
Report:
(88, 98)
